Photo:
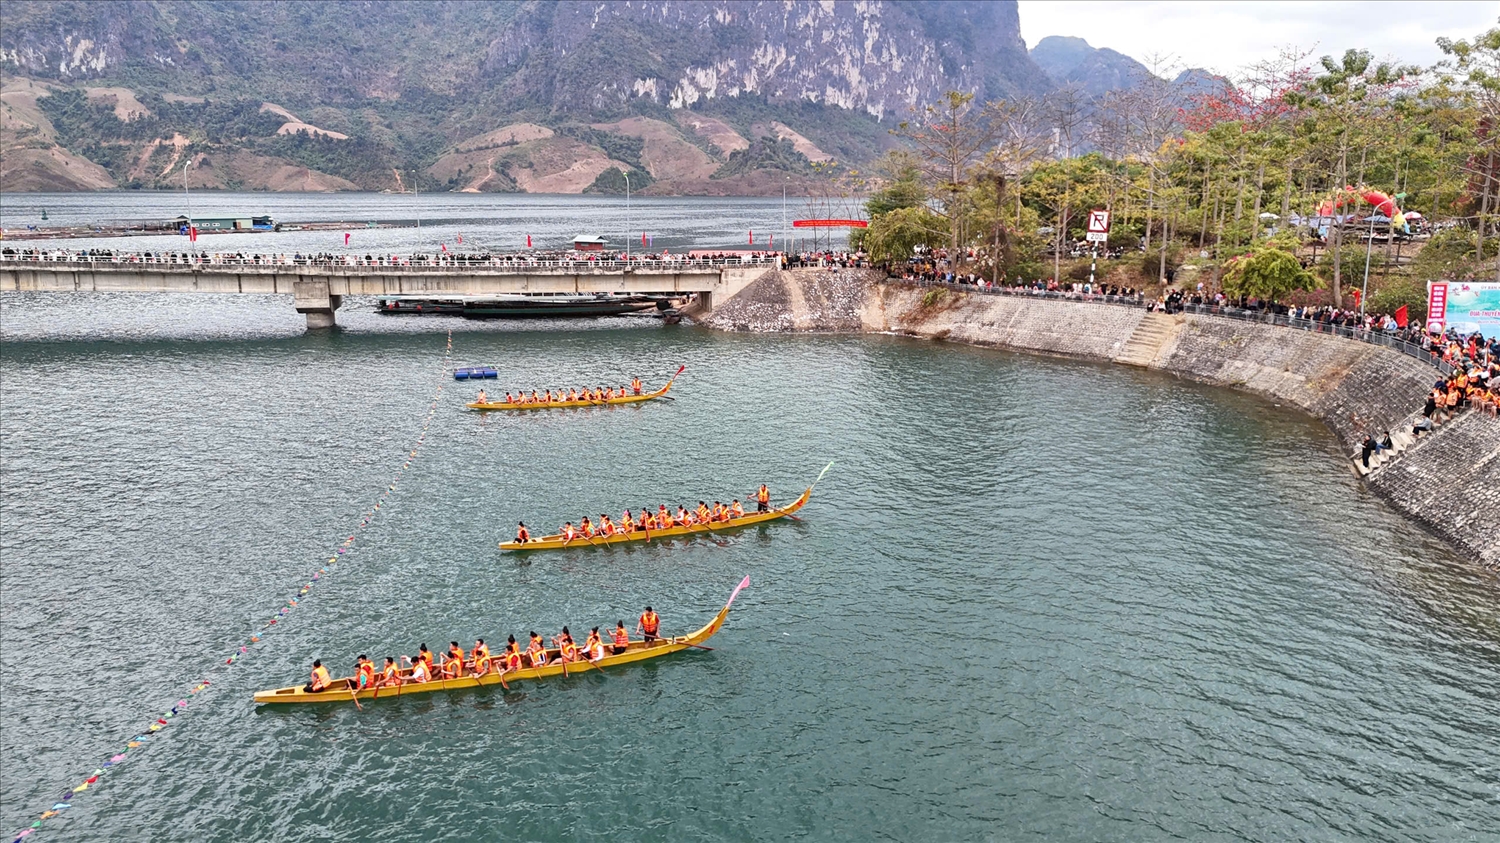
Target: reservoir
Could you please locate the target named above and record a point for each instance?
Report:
(1035, 598)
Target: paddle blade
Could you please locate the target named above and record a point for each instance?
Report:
(737, 589)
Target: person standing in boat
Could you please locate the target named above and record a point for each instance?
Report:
(648, 624)
(763, 499)
(635, 385)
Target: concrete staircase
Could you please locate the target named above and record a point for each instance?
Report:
(1401, 440)
(1146, 341)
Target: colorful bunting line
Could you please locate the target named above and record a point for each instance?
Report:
(142, 739)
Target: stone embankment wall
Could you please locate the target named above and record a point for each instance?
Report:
(1450, 481)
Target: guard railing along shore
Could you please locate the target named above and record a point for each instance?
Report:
(1264, 317)
(404, 264)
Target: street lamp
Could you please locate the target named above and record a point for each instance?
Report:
(188, 199)
(629, 229)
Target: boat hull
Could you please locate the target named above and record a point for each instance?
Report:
(642, 536)
(563, 405)
(637, 651)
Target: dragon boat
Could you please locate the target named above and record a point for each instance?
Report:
(558, 542)
(341, 689)
(585, 402)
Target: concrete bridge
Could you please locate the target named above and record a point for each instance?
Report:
(317, 288)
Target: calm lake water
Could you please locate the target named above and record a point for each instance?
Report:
(1034, 598)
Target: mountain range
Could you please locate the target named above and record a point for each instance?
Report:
(708, 97)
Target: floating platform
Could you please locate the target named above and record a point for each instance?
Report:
(474, 373)
(521, 305)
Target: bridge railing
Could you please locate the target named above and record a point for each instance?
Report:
(400, 263)
(1360, 334)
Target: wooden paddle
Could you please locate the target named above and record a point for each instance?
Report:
(354, 694)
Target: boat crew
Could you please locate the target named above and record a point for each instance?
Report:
(622, 639)
(482, 399)
(737, 509)
(456, 658)
(320, 679)
(704, 516)
(627, 524)
(606, 526)
(645, 519)
(522, 534)
(663, 517)
(568, 533)
(390, 674)
(534, 398)
(763, 499)
(512, 654)
(648, 625)
(684, 518)
(421, 670)
(566, 649)
(425, 655)
(593, 647)
(508, 399)
(364, 675)
(635, 385)
(537, 651)
(481, 656)
(572, 395)
(586, 527)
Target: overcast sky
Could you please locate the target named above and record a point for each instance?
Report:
(1226, 36)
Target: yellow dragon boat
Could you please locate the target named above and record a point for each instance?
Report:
(585, 402)
(341, 690)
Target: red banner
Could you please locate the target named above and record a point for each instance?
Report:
(830, 224)
(1437, 304)
(1401, 317)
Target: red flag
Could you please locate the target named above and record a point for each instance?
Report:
(192, 234)
(346, 238)
(528, 241)
(752, 237)
(444, 245)
(643, 238)
(1356, 298)
(460, 239)
(1400, 315)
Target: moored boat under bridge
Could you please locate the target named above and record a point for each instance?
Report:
(317, 287)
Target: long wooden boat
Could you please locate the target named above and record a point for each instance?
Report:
(557, 542)
(588, 402)
(340, 691)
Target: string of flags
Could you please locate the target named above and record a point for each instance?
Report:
(146, 736)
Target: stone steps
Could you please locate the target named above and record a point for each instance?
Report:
(1402, 439)
(1146, 342)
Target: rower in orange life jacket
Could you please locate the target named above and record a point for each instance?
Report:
(606, 526)
(593, 647)
(566, 649)
(320, 679)
(454, 666)
(663, 517)
(635, 385)
(648, 624)
(586, 527)
(645, 519)
(572, 395)
(421, 670)
(537, 651)
(481, 656)
(703, 514)
(482, 399)
(763, 499)
(523, 535)
(684, 518)
(512, 654)
(508, 399)
(738, 510)
(627, 522)
(425, 655)
(365, 676)
(390, 674)
(622, 639)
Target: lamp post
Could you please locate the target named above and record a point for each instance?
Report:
(783, 211)
(629, 229)
(416, 205)
(186, 197)
(1369, 246)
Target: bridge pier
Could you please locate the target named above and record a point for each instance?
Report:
(312, 299)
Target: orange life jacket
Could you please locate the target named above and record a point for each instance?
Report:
(320, 678)
(538, 654)
(621, 637)
(649, 622)
(764, 495)
(523, 535)
(366, 674)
